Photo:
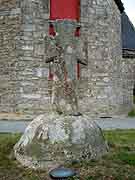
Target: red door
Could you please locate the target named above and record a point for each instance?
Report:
(65, 9)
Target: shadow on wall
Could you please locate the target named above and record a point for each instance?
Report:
(132, 112)
(134, 94)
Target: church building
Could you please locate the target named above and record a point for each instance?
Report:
(106, 81)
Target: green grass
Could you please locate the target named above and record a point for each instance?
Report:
(134, 99)
(118, 164)
(132, 113)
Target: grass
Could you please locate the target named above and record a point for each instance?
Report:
(132, 113)
(118, 164)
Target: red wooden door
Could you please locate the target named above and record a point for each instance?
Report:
(65, 9)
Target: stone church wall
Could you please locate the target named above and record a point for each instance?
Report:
(128, 75)
(32, 73)
(9, 27)
(103, 22)
(100, 87)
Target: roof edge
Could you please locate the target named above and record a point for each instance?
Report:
(127, 49)
(128, 53)
(120, 5)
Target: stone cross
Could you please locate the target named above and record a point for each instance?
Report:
(63, 52)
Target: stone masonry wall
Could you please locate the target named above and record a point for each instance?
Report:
(128, 75)
(100, 87)
(9, 27)
(103, 22)
(32, 71)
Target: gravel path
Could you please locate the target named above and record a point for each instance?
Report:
(13, 127)
(116, 123)
(104, 123)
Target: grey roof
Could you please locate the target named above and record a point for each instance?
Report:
(120, 5)
(128, 33)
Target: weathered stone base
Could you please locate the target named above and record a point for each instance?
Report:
(52, 140)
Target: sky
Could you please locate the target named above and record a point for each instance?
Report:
(130, 9)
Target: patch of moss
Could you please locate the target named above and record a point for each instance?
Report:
(132, 113)
(127, 157)
(134, 99)
(120, 138)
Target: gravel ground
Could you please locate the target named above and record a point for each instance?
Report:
(104, 123)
